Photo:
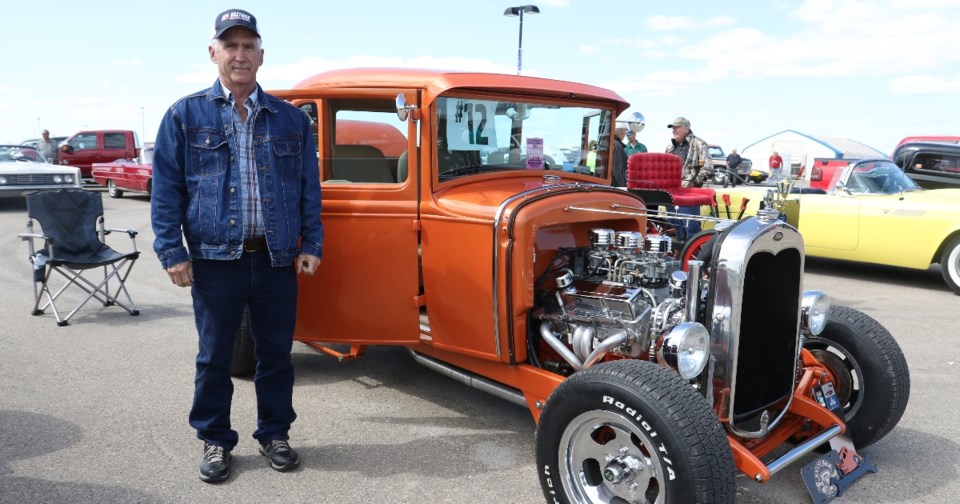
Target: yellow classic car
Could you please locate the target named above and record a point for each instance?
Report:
(874, 214)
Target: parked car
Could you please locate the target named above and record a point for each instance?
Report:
(123, 175)
(951, 139)
(98, 146)
(824, 172)
(722, 176)
(33, 142)
(23, 169)
(932, 165)
(541, 284)
(863, 217)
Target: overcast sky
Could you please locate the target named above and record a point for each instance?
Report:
(872, 71)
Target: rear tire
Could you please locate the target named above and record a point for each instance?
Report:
(632, 431)
(950, 265)
(872, 378)
(113, 190)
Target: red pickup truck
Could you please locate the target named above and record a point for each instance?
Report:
(98, 146)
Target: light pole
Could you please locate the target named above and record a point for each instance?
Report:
(518, 11)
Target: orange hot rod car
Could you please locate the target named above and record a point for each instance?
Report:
(494, 248)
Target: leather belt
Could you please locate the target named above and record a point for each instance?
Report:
(255, 244)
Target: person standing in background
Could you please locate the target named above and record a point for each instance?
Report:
(733, 164)
(47, 147)
(776, 165)
(693, 152)
(633, 145)
(619, 159)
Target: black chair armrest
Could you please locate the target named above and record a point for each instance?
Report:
(130, 232)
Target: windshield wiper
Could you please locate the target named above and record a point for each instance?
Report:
(461, 170)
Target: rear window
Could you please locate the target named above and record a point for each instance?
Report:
(935, 162)
(114, 141)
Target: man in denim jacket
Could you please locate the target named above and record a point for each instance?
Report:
(235, 175)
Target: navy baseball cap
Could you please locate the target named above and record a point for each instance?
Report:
(234, 17)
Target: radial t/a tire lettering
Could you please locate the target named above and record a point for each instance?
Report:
(872, 378)
(632, 431)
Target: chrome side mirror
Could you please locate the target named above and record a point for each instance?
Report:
(636, 122)
(404, 111)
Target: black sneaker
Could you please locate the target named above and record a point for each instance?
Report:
(282, 457)
(215, 464)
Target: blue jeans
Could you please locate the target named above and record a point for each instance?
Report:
(687, 228)
(220, 291)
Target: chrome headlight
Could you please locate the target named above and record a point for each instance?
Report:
(815, 305)
(3, 180)
(58, 179)
(68, 179)
(685, 348)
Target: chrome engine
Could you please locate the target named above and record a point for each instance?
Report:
(617, 295)
(733, 320)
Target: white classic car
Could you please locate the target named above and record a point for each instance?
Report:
(23, 169)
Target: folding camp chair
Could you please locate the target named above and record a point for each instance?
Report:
(74, 242)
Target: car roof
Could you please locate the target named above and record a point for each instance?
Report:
(437, 82)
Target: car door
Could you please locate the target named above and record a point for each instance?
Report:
(829, 223)
(367, 288)
(82, 152)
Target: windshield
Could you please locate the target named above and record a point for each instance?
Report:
(479, 136)
(878, 177)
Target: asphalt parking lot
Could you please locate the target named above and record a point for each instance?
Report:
(96, 412)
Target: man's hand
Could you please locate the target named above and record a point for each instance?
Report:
(181, 274)
(307, 264)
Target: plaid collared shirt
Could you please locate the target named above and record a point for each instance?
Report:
(249, 186)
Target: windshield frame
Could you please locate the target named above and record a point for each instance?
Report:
(592, 123)
(875, 177)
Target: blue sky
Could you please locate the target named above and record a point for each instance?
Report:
(873, 71)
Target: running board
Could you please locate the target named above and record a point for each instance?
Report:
(470, 379)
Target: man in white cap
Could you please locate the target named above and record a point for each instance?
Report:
(692, 150)
(235, 176)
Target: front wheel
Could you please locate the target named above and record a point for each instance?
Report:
(113, 190)
(632, 431)
(694, 246)
(869, 369)
(950, 265)
(720, 177)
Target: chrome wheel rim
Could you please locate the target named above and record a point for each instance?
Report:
(851, 370)
(112, 187)
(605, 457)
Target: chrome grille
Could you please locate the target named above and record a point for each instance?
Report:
(32, 179)
(754, 311)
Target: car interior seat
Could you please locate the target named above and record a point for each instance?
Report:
(361, 163)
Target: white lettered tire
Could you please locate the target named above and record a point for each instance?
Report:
(950, 264)
(632, 431)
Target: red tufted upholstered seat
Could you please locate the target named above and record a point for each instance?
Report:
(654, 170)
